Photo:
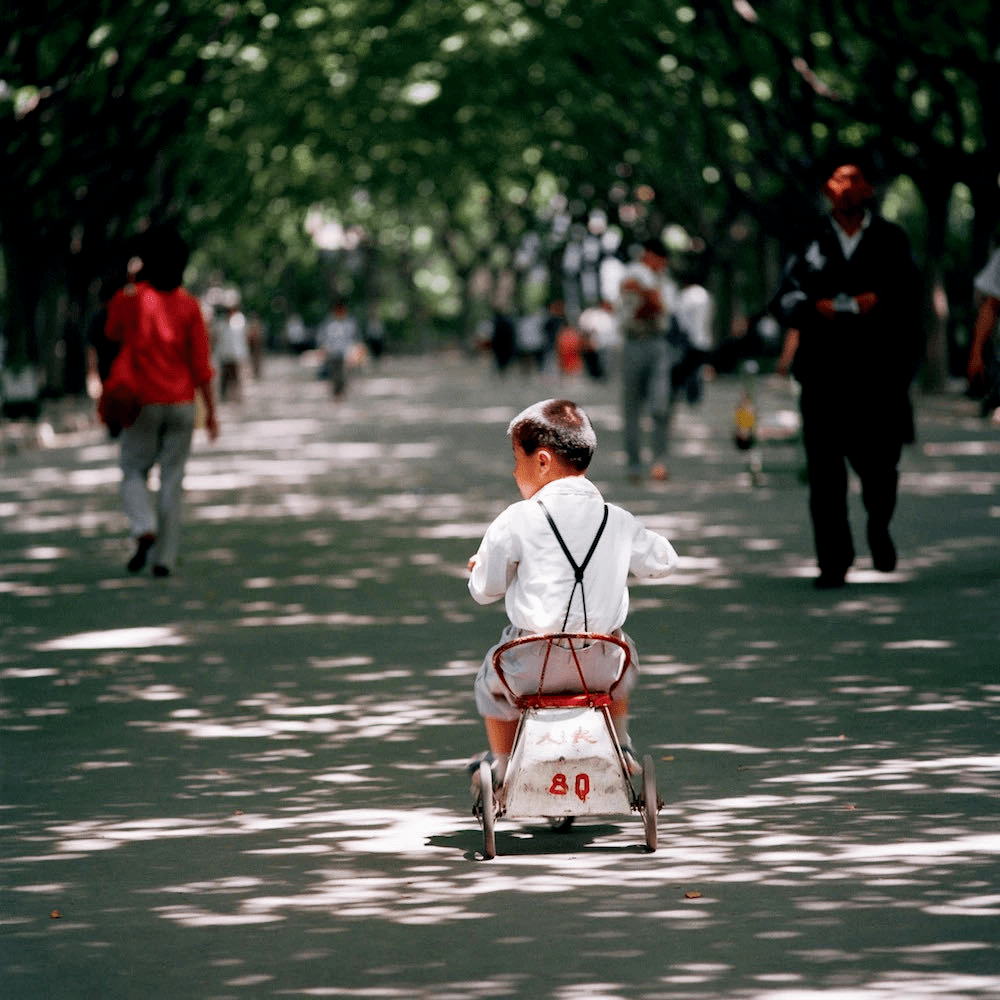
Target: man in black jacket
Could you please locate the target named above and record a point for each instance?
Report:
(853, 292)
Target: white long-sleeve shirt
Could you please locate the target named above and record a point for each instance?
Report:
(521, 560)
(693, 310)
(629, 301)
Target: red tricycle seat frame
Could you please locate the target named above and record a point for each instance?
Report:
(584, 698)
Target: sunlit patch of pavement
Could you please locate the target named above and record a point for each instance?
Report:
(828, 760)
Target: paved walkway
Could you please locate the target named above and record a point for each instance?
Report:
(247, 781)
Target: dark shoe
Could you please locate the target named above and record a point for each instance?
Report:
(143, 544)
(473, 769)
(161, 570)
(883, 551)
(830, 581)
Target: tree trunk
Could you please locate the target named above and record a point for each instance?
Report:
(22, 268)
(51, 316)
(935, 369)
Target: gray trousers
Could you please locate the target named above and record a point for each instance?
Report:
(646, 366)
(161, 436)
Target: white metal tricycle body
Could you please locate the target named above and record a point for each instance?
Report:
(566, 760)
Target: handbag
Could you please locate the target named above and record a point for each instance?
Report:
(120, 402)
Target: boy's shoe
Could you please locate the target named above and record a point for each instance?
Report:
(473, 768)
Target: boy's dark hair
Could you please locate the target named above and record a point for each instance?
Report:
(559, 425)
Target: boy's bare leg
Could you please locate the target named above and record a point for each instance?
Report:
(500, 734)
(619, 719)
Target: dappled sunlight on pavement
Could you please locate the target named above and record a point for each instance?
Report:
(249, 780)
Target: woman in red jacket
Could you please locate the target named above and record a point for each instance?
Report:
(166, 350)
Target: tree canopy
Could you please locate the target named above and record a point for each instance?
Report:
(435, 144)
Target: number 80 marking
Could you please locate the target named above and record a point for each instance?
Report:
(560, 786)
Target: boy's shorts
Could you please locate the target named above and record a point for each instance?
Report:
(522, 666)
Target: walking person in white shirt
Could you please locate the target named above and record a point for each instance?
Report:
(647, 301)
(231, 352)
(694, 313)
(600, 337)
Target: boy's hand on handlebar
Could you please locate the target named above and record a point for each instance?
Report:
(472, 563)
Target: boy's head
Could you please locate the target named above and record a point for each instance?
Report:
(551, 440)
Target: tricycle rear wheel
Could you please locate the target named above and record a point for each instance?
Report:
(650, 801)
(489, 812)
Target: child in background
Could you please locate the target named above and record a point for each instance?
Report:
(525, 558)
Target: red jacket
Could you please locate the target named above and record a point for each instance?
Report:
(167, 339)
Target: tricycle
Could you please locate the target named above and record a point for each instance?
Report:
(566, 761)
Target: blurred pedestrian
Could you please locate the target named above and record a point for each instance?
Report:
(374, 334)
(337, 337)
(296, 334)
(503, 340)
(694, 312)
(231, 351)
(599, 334)
(569, 350)
(983, 369)
(555, 320)
(256, 336)
(165, 355)
(789, 346)
(853, 293)
(647, 299)
(529, 338)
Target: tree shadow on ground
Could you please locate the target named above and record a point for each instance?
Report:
(249, 780)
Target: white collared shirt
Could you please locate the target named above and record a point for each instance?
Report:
(694, 310)
(850, 243)
(646, 277)
(520, 560)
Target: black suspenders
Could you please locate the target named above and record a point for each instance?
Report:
(577, 570)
